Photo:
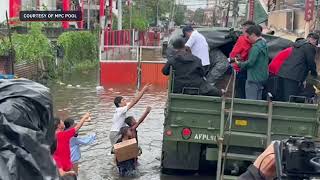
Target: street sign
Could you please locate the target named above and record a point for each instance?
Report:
(251, 10)
(309, 10)
(50, 16)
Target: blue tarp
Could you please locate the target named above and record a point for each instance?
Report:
(6, 76)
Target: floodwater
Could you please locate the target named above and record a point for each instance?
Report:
(96, 158)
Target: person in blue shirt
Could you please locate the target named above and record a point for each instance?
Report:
(75, 144)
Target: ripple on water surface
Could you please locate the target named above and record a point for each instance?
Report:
(96, 159)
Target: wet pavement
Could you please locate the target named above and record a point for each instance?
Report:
(96, 158)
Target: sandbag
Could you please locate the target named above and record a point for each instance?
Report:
(218, 66)
(26, 131)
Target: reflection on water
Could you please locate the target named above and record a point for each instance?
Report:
(96, 159)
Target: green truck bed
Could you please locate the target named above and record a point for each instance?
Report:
(192, 128)
(202, 114)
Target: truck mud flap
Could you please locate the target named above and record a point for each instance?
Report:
(180, 155)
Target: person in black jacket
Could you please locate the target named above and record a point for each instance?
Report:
(188, 72)
(296, 68)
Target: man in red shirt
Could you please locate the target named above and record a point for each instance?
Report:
(62, 153)
(240, 52)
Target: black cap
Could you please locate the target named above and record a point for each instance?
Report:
(313, 35)
(186, 29)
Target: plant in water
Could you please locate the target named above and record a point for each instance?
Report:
(32, 47)
(80, 49)
(4, 46)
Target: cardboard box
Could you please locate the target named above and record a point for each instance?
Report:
(126, 150)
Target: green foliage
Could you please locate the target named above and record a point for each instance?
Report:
(79, 47)
(4, 46)
(144, 12)
(138, 21)
(32, 47)
(114, 22)
(151, 7)
(199, 16)
(179, 17)
(85, 65)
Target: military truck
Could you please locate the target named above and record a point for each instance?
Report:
(226, 134)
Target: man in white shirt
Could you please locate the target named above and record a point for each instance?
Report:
(198, 45)
(120, 115)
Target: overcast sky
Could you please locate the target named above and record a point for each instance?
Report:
(195, 4)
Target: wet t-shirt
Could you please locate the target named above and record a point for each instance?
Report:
(119, 118)
(62, 153)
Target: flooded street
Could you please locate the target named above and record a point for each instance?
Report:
(96, 158)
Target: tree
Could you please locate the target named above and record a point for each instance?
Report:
(199, 16)
(179, 17)
(151, 7)
(144, 12)
(138, 21)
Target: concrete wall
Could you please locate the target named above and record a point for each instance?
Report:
(4, 6)
(299, 22)
(280, 20)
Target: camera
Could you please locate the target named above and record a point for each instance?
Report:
(297, 158)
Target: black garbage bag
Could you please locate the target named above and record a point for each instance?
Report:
(218, 66)
(26, 131)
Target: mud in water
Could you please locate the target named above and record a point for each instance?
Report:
(96, 160)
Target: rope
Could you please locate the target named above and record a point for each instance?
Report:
(230, 122)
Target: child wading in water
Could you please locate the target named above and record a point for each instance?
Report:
(75, 144)
(119, 116)
(133, 124)
(126, 168)
(62, 152)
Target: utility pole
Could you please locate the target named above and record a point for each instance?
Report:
(235, 13)
(278, 4)
(88, 20)
(119, 14)
(158, 13)
(317, 27)
(130, 13)
(173, 11)
(227, 16)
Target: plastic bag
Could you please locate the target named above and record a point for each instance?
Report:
(26, 131)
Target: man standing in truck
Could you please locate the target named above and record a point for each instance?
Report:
(240, 52)
(198, 46)
(188, 72)
(295, 69)
(256, 65)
